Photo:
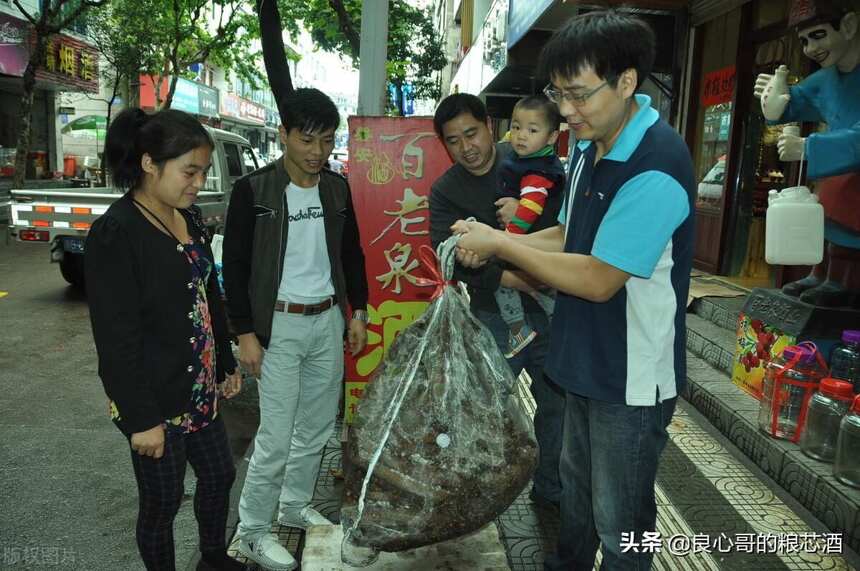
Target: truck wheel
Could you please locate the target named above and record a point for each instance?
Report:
(72, 268)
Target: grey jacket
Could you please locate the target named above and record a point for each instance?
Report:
(255, 239)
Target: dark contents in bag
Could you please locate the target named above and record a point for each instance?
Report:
(461, 448)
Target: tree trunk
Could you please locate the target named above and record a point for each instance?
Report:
(274, 54)
(156, 89)
(26, 109)
(114, 92)
(168, 99)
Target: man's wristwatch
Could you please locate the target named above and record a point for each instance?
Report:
(360, 315)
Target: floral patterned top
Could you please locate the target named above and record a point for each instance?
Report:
(204, 392)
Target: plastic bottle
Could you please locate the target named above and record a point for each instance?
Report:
(847, 465)
(845, 359)
(776, 95)
(783, 405)
(826, 409)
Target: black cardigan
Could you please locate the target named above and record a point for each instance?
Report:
(140, 296)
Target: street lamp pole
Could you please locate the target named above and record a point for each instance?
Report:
(373, 54)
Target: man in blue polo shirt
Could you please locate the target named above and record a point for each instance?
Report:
(620, 258)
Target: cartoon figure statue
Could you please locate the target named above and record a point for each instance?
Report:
(828, 32)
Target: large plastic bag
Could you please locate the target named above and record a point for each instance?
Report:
(441, 444)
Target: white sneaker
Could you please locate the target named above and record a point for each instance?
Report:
(303, 519)
(268, 553)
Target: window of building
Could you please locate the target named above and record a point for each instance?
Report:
(715, 119)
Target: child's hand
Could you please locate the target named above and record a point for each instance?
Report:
(507, 207)
(232, 384)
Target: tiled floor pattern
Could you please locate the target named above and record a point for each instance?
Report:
(701, 489)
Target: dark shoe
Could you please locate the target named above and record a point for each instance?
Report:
(794, 289)
(828, 294)
(218, 560)
(541, 502)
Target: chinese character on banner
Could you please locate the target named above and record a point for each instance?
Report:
(412, 159)
(381, 172)
(718, 86)
(409, 204)
(394, 162)
(50, 56)
(399, 266)
(68, 64)
(394, 317)
(88, 69)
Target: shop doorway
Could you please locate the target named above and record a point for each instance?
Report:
(759, 169)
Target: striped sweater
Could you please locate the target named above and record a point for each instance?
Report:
(530, 180)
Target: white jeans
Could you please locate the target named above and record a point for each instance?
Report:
(301, 375)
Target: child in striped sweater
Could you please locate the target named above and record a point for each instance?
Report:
(530, 175)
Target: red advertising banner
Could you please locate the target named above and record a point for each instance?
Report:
(392, 163)
(718, 86)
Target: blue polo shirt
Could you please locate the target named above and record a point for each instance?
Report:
(634, 211)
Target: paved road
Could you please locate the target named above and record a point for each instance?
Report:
(68, 499)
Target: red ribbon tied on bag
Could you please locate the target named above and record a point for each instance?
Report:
(430, 261)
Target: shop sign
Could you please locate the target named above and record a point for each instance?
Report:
(207, 101)
(522, 14)
(240, 108)
(251, 111)
(392, 163)
(69, 62)
(718, 86)
(185, 97)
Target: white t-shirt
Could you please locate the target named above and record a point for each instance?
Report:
(307, 270)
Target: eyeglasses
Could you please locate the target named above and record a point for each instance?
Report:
(578, 100)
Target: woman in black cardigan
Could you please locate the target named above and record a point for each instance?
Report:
(160, 329)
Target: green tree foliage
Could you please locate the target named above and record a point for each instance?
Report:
(168, 36)
(118, 48)
(415, 51)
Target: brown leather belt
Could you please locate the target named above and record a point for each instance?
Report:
(312, 309)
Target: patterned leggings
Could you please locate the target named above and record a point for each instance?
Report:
(160, 485)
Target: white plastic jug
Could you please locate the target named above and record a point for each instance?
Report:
(794, 234)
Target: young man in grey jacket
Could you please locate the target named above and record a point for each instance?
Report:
(292, 264)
